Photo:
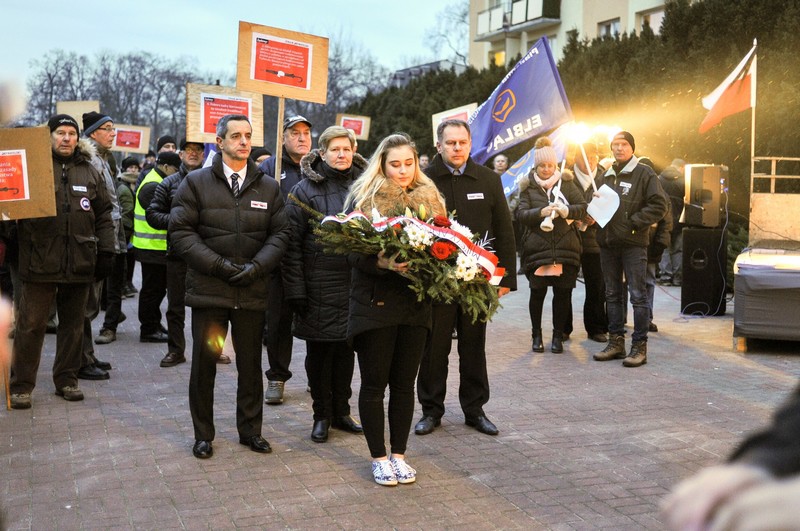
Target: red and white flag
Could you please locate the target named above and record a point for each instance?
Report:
(736, 94)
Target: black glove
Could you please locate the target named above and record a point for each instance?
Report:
(103, 265)
(225, 269)
(298, 306)
(245, 277)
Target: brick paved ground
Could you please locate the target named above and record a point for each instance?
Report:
(583, 445)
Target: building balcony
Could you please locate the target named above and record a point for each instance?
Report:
(515, 17)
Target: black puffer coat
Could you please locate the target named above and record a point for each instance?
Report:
(208, 224)
(320, 280)
(64, 247)
(562, 245)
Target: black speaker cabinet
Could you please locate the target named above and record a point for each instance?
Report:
(705, 260)
(701, 200)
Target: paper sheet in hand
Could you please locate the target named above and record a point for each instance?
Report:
(603, 206)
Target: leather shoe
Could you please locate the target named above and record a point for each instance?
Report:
(483, 425)
(426, 425)
(172, 359)
(347, 423)
(104, 365)
(319, 433)
(155, 337)
(257, 443)
(224, 359)
(202, 449)
(90, 372)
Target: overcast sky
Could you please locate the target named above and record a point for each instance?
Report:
(394, 31)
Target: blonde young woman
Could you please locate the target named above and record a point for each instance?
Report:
(387, 325)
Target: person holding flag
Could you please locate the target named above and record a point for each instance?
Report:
(551, 248)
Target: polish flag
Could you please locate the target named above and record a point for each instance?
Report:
(736, 94)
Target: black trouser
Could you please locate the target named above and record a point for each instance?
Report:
(473, 388)
(595, 318)
(114, 286)
(176, 307)
(34, 308)
(562, 298)
(91, 312)
(209, 330)
(153, 291)
(388, 356)
(329, 367)
(279, 331)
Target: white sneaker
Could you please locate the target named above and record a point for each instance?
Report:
(403, 472)
(383, 472)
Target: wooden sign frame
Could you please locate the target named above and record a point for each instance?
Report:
(131, 139)
(76, 109)
(282, 63)
(37, 154)
(358, 124)
(205, 104)
(463, 112)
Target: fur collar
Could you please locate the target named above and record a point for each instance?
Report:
(393, 200)
(312, 160)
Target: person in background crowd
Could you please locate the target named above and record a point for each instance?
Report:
(278, 331)
(129, 176)
(424, 161)
(229, 224)
(60, 257)
(388, 326)
(100, 131)
(259, 155)
(595, 318)
(757, 488)
(674, 184)
(317, 285)
(475, 193)
(500, 164)
(150, 246)
(157, 215)
(623, 248)
(164, 143)
(659, 241)
(551, 249)
(148, 163)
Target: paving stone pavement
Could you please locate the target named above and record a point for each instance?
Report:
(582, 444)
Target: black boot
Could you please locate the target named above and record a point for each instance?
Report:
(538, 345)
(557, 346)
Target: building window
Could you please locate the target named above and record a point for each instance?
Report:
(652, 19)
(609, 28)
(499, 58)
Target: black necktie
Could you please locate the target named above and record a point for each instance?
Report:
(235, 184)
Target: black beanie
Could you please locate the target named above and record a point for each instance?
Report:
(169, 158)
(166, 139)
(92, 121)
(62, 119)
(627, 137)
(127, 162)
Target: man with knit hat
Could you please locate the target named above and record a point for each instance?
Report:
(623, 248)
(60, 257)
(99, 129)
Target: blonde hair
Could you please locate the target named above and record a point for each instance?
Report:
(363, 190)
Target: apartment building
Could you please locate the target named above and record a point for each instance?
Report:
(502, 29)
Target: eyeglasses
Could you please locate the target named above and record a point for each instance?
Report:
(106, 129)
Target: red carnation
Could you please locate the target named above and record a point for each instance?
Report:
(442, 250)
(441, 221)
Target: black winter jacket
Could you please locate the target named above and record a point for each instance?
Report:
(64, 247)
(291, 173)
(480, 204)
(208, 224)
(642, 203)
(673, 183)
(562, 245)
(157, 213)
(319, 279)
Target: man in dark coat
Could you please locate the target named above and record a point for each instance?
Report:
(278, 331)
(59, 258)
(476, 194)
(228, 223)
(674, 184)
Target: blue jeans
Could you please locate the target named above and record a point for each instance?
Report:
(632, 262)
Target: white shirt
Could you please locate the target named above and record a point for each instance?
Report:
(228, 172)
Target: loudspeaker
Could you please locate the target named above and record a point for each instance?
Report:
(701, 199)
(705, 260)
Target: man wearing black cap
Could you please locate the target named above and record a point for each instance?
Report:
(99, 130)
(623, 248)
(150, 246)
(278, 331)
(60, 257)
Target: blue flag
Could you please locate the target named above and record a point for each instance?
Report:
(521, 168)
(528, 102)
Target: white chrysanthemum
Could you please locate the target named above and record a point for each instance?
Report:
(418, 238)
(461, 229)
(466, 266)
